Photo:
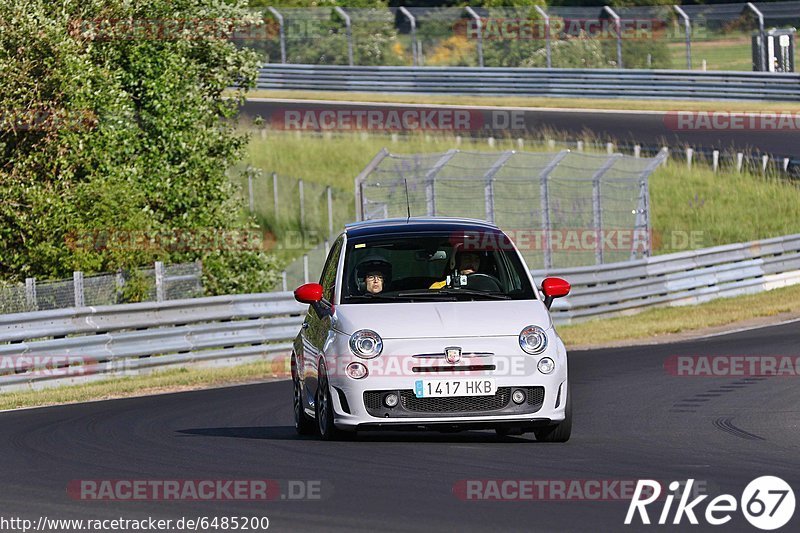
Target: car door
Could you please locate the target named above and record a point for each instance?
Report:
(315, 327)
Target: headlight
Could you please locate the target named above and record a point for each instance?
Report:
(366, 343)
(533, 340)
(546, 365)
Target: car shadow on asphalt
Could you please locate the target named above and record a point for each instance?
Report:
(288, 433)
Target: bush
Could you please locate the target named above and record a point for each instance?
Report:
(107, 128)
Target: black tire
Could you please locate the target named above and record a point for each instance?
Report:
(559, 432)
(324, 409)
(303, 423)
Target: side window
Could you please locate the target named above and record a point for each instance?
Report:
(328, 278)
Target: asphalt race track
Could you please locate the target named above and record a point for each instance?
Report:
(648, 128)
(633, 420)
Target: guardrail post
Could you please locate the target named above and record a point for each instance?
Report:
(77, 288)
(545, 205)
(30, 294)
(160, 292)
(479, 27)
(764, 163)
(637, 151)
(546, 18)
(305, 268)
(785, 164)
(715, 160)
(762, 38)
(688, 25)
(349, 31)
(281, 31)
(739, 161)
(619, 34)
(413, 23)
(689, 154)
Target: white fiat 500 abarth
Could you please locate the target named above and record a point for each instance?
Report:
(429, 324)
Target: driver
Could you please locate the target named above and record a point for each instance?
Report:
(375, 274)
(467, 262)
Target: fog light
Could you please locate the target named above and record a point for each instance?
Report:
(356, 370)
(546, 365)
(390, 400)
(518, 396)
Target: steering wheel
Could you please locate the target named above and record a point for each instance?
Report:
(483, 282)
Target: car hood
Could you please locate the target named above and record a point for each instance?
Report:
(443, 319)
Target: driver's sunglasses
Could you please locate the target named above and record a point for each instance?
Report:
(374, 277)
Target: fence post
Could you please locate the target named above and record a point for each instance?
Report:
(597, 212)
(739, 161)
(305, 268)
(689, 154)
(281, 32)
(637, 151)
(609, 148)
(488, 179)
(762, 38)
(159, 268)
(715, 160)
(413, 22)
(764, 163)
(30, 294)
(329, 195)
(688, 25)
(119, 286)
(349, 31)
(479, 27)
(250, 188)
(275, 193)
(545, 205)
(77, 286)
(546, 18)
(430, 181)
(619, 34)
(302, 206)
(283, 281)
(579, 146)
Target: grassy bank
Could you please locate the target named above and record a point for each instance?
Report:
(709, 208)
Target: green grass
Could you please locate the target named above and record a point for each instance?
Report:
(721, 208)
(540, 101)
(732, 53)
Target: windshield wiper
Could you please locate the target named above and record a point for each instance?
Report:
(473, 292)
(427, 293)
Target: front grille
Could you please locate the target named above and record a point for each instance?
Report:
(410, 405)
(456, 404)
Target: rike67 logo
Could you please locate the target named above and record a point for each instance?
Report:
(767, 503)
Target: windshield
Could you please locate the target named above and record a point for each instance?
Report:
(433, 267)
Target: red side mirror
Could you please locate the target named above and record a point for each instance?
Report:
(310, 293)
(555, 287)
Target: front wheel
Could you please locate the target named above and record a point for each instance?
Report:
(324, 409)
(559, 432)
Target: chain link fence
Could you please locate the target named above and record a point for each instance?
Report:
(562, 209)
(160, 283)
(712, 37)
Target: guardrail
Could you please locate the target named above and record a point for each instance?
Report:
(682, 278)
(581, 83)
(76, 345)
(80, 344)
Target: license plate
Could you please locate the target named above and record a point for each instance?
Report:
(443, 388)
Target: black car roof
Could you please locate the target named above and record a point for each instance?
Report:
(417, 225)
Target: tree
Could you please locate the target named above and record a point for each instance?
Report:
(114, 123)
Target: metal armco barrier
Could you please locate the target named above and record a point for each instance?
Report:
(120, 340)
(80, 344)
(677, 279)
(593, 83)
